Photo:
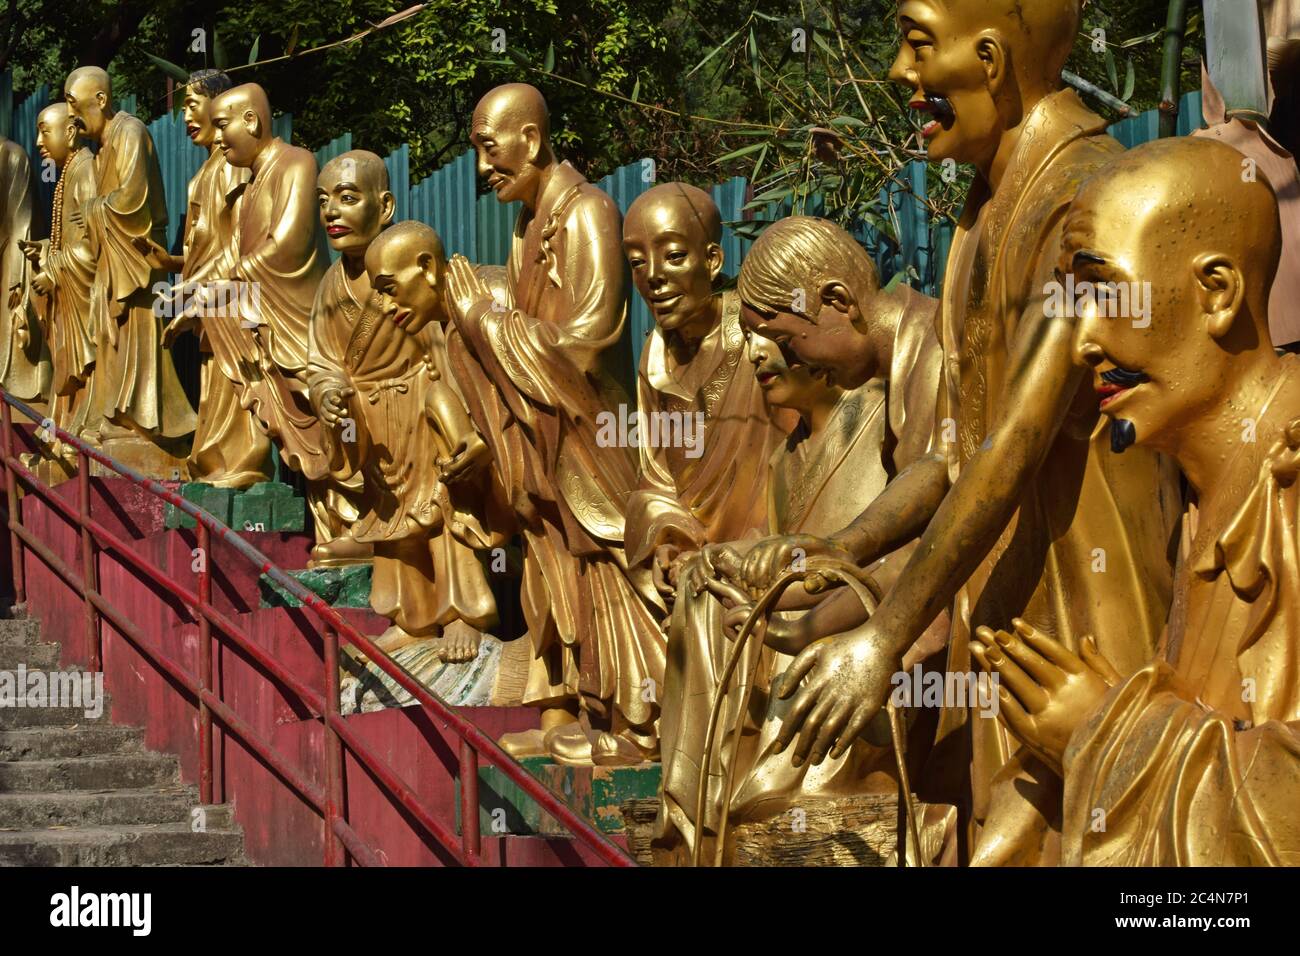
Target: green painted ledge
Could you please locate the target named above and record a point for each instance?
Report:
(347, 586)
(267, 506)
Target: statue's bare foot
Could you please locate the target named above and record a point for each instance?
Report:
(342, 550)
(569, 745)
(524, 743)
(614, 750)
(459, 643)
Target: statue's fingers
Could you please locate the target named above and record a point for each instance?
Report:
(1093, 657)
(1042, 670)
(1017, 720)
(812, 726)
(829, 734)
(795, 716)
(1052, 651)
(798, 669)
(857, 723)
(726, 591)
(1027, 691)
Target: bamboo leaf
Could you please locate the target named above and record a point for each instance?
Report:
(714, 52)
(743, 151)
(549, 64)
(636, 90)
(1111, 70)
(252, 53)
(1130, 80)
(753, 60)
(171, 69)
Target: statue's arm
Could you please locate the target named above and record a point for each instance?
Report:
(293, 235)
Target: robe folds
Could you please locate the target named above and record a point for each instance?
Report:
(279, 260)
(24, 360)
(1195, 759)
(816, 484)
(715, 492)
(229, 449)
(66, 312)
(135, 375)
(1090, 539)
(534, 377)
(426, 572)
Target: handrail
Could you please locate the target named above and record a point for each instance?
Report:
(339, 836)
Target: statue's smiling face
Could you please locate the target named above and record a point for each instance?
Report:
(506, 153)
(196, 109)
(673, 263)
(234, 127)
(945, 57)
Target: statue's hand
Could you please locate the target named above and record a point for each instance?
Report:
(78, 217)
(182, 323)
(466, 293)
(152, 253)
(664, 569)
(773, 556)
(42, 283)
(848, 680)
(1045, 692)
(32, 251)
(467, 456)
(333, 404)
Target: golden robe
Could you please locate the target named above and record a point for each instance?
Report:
(137, 380)
(533, 377)
(1195, 759)
(1086, 505)
(426, 574)
(816, 484)
(229, 449)
(717, 495)
(24, 366)
(66, 314)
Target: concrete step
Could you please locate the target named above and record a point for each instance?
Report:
(51, 743)
(14, 718)
(35, 657)
(126, 771)
(15, 632)
(38, 811)
(174, 844)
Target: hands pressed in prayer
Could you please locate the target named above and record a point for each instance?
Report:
(466, 292)
(1045, 692)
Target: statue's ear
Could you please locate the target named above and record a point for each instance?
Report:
(101, 98)
(995, 56)
(1221, 290)
(533, 136)
(835, 293)
(387, 206)
(431, 268)
(254, 123)
(715, 258)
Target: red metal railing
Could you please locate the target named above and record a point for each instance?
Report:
(341, 840)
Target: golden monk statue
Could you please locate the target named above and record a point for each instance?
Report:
(24, 361)
(848, 444)
(1025, 511)
(230, 450)
(693, 376)
(532, 370)
(1194, 760)
(276, 263)
(64, 269)
(140, 395)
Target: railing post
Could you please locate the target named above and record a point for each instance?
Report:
(470, 840)
(15, 516)
(89, 577)
(334, 855)
(205, 667)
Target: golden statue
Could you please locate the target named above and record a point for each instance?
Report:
(275, 265)
(693, 377)
(139, 394)
(1024, 510)
(63, 271)
(848, 444)
(1192, 760)
(378, 366)
(24, 360)
(533, 376)
(230, 450)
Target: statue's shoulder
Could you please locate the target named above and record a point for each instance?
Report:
(596, 208)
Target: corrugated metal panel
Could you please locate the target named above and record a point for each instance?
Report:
(447, 201)
(180, 160)
(496, 224)
(282, 126)
(335, 147)
(399, 179)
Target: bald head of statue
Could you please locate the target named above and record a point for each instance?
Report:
(56, 133)
(355, 202)
(407, 268)
(1172, 251)
(241, 117)
(89, 95)
(672, 238)
(977, 67)
(511, 133)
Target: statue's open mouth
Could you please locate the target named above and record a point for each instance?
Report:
(940, 108)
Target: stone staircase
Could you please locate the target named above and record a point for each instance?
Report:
(79, 791)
